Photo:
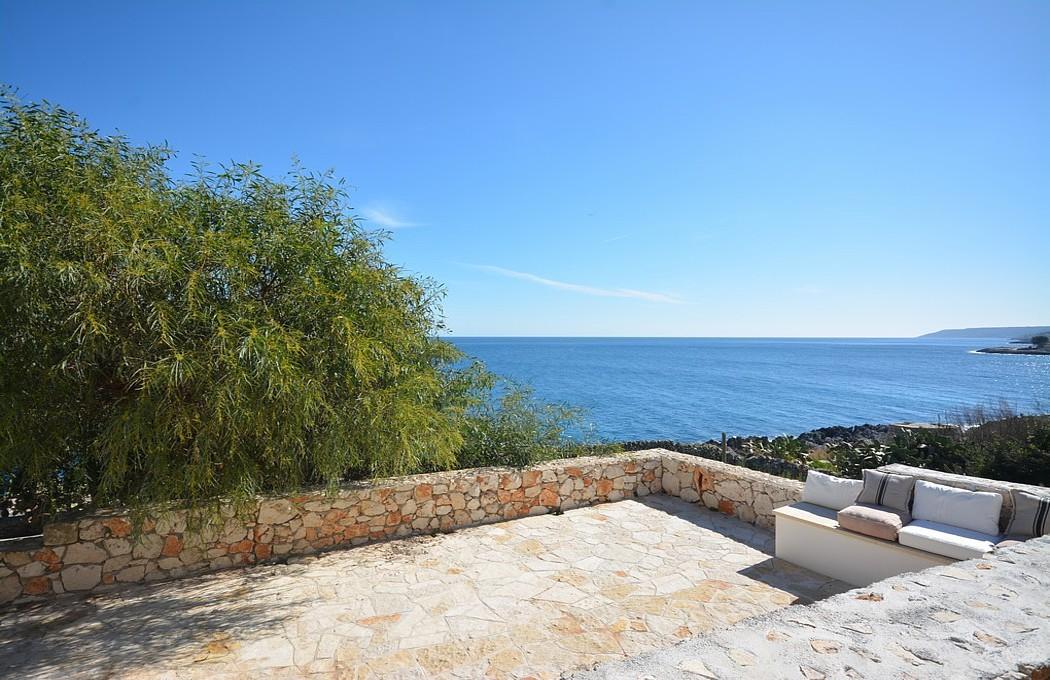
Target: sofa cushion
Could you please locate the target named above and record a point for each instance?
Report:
(891, 491)
(973, 510)
(947, 540)
(1031, 514)
(873, 520)
(830, 492)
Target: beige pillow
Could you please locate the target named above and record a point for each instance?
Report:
(883, 488)
(873, 520)
(1031, 514)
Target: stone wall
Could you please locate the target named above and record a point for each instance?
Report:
(105, 550)
(731, 489)
(983, 618)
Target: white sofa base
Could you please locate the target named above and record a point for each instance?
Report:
(809, 536)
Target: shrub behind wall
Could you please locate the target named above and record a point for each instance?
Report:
(223, 334)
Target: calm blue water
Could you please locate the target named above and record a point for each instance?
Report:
(694, 389)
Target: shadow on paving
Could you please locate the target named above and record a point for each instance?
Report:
(738, 530)
(793, 579)
(143, 625)
(805, 585)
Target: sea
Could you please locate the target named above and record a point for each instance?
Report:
(693, 389)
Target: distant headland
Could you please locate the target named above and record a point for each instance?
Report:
(1035, 339)
(1021, 333)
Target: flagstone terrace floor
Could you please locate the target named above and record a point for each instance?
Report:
(538, 596)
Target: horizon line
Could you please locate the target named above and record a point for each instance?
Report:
(712, 337)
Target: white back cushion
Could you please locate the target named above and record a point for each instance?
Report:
(830, 492)
(974, 510)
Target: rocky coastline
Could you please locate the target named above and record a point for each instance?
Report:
(833, 435)
(1043, 351)
(755, 451)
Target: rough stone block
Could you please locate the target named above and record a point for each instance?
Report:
(116, 546)
(167, 563)
(91, 529)
(172, 546)
(31, 569)
(40, 585)
(85, 553)
(10, 588)
(81, 576)
(276, 511)
(115, 563)
(131, 574)
(372, 509)
(234, 531)
(191, 556)
(171, 523)
(60, 533)
(148, 546)
(120, 527)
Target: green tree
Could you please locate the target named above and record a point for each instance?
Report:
(1041, 341)
(515, 430)
(226, 334)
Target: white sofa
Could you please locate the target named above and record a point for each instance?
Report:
(945, 524)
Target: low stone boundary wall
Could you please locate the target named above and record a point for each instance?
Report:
(731, 489)
(983, 618)
(102, 551)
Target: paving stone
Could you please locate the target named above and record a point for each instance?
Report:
(884, 630)
(696, 667)
(541, 595)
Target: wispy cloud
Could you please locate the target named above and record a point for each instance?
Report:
(614, 239)
(386, 219)
(578, 288)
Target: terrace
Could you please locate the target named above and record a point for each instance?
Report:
(536, 596)
(650, 563)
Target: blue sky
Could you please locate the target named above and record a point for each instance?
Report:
(618, 168)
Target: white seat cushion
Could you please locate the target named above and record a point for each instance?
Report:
(830, 492)
(944, 539)
(973, 510)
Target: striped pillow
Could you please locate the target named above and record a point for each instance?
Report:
(1031, 514)
(887, 490)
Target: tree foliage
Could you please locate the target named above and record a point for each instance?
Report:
(1015, 450)
(1021, 455)
(515, 430)
(225, 334)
